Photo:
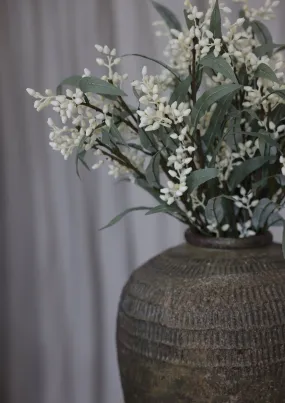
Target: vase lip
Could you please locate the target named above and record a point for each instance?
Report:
(256, 241)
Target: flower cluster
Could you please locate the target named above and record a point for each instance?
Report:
(245, 201)
(206, 136)
(180, 162)
(158, 112)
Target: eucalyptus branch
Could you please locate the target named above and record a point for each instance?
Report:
(96, 108)
(120, 158)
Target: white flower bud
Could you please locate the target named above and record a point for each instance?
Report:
(144, 71)
(117, 60)
(272, 125)
(170, 200)
(48, 92)
(187, 171)
(191, 149)
(99, 48)
(50, 122)
(240, 21)
(106, 50)
(225, 227)
(61, 98)
(69, 93)
(226, 10)
(100, 61)
(172, 173)
(31, 92)
(98, 164)
(156, 126)
(87, 72)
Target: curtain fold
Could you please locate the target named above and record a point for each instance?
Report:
(60, 277)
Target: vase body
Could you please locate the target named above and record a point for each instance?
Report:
(204, 325)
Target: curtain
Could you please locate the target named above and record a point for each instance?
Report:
(60, 277)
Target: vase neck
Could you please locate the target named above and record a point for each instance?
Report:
(256, 241)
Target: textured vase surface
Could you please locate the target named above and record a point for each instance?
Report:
(205, 324)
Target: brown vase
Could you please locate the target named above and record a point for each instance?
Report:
(205, 322)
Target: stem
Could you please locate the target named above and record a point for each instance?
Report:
(120, 158)
(96, 108)
(127, 108)
(194, 99)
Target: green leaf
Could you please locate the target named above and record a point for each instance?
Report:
(136, 94)
(214, 129)
(280, 93)
(275, 220)
(199, 78)
(219, 65)
(209, 98)
(216, 24)
(164, 137)
(135, 146)
(260, 184)
(81, 159)
(265, 71)
(252, 114)
(197, 178)
(261, 32)
(280, 179)
(263, 136)
(147, 140)
(189, 23)
(155, 61)
(72, 81)
(246, 23)
(262, 147)
(120, 216)
(209, 72)
(283, 241)
(265, 49)
(152, 171)
(243, 76)
(168, 16)
(98, 86)
(80, 153)
(162, 208)
(245, 169)
(262, 212)
(116, 135)
(106, 138)
(214, 210)
(281, 49)
(278, 114)
(180, 92)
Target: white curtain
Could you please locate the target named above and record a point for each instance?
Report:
(60, 278)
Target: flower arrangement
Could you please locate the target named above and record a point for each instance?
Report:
(206, 136)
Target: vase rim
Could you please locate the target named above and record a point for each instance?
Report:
(256, 241)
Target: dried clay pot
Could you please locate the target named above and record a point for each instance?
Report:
(205, 322)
